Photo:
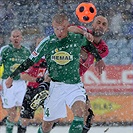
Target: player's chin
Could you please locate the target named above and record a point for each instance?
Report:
(98, 34)
(60, 37)
(16, 42)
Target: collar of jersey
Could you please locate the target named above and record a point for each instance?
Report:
(15, 49)
(64, 39)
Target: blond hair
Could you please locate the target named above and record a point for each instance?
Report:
(59, 18)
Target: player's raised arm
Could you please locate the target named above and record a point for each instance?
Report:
(100, 65)
(81, 30)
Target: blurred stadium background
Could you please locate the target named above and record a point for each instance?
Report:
(110, 94)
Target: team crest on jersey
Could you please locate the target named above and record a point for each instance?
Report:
(62, 57)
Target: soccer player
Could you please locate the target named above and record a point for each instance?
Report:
(62, 52)
(11, 56)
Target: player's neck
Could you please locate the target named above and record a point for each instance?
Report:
(17, 46)
(97, 40)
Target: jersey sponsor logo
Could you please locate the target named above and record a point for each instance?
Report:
(14, 67)
(62, 57)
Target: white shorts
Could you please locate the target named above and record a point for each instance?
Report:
(60, 95)
(13, 96)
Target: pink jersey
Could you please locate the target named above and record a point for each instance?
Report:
(36, 71)
(102, 49)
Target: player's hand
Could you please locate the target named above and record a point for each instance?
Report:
(8, 82)
(47, 78)
(89, 36)
(100, 66)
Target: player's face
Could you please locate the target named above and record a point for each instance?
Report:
(100, 26)
(16, 38)
(61, 30)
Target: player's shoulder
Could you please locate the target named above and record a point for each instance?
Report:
(75, 36)
(52, 38)
(102, 42)
(25, 49)
(5, 48)
(46, 39)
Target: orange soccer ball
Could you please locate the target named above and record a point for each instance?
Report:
(86, 12)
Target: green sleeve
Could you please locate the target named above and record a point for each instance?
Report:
(90, 47)
(24, 66)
